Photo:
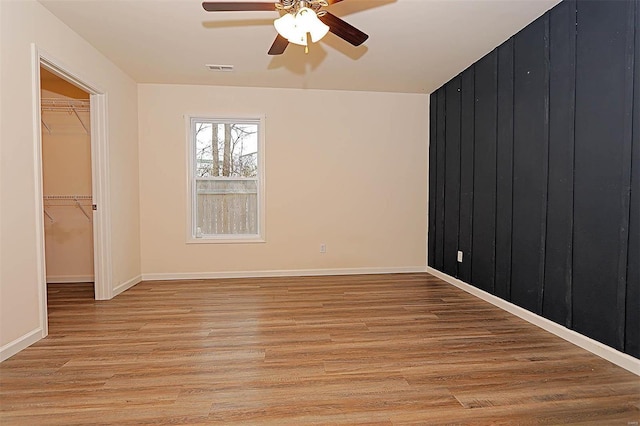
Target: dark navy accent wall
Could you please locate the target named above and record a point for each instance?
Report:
(535, 162)
(632, 328)
(452, 175)
(602, 173)
(504, 175)
(467, 137)
(557, 300)
(530, 161)
(484, 173)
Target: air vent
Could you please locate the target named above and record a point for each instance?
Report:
(220, 68)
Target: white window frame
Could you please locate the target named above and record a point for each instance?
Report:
(192, 238)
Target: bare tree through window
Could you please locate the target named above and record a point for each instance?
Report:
(226, 176)
(225, 149)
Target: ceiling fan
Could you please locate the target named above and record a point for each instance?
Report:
(301, 19)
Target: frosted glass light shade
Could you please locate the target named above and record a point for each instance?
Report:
(298, 37)
(285, 25)
(295, 28)
(308, 21)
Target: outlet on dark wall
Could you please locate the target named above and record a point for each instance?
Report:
(535, 171)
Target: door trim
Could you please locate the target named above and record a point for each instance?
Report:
(100, 179)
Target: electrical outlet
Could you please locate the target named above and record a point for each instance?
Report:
(323, 248)
(459, 256)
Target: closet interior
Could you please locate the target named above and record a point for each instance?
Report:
(66, 176)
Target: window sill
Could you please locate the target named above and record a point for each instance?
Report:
(251, 239)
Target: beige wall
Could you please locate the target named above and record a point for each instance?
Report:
(348, 169)
(23, 22)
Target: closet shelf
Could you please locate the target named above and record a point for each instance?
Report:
(71, 106)
(67, 197)
(73, 200)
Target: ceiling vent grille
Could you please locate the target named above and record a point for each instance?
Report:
(220, 68)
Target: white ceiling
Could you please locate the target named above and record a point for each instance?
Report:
(414, 46)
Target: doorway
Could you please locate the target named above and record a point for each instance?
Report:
(96, 203)
(66, 182)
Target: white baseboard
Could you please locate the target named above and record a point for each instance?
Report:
(22, 342)
(59, 279)
(619, 358)
(126, 285)
(279, 273)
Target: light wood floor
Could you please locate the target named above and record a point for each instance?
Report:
(375, 350)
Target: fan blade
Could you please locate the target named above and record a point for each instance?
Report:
(234, 6)
(344, 30)
(279, 45)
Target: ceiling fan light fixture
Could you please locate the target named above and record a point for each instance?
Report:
(299, 23)
(288, 27)
(308, 21)
(295, 27)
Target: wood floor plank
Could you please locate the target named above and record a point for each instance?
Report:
(402, 349)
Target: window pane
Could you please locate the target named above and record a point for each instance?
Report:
(204, 149)
(225, 178)
(226, 149)
(226, 206)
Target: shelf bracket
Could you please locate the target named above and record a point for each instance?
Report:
(80, 119)
(82, 209)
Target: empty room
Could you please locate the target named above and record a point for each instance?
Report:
(290, 212)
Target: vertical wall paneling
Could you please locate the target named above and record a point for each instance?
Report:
(601, 169)
(484, 173)
(466, 172)
(431, 249)
(440, 177)
(504, 161)
(562, 71)
(530, 163)
(632, 335)
(549, 170)
(625, 195)
(452, 177)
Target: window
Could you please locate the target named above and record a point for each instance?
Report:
(225, 180)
